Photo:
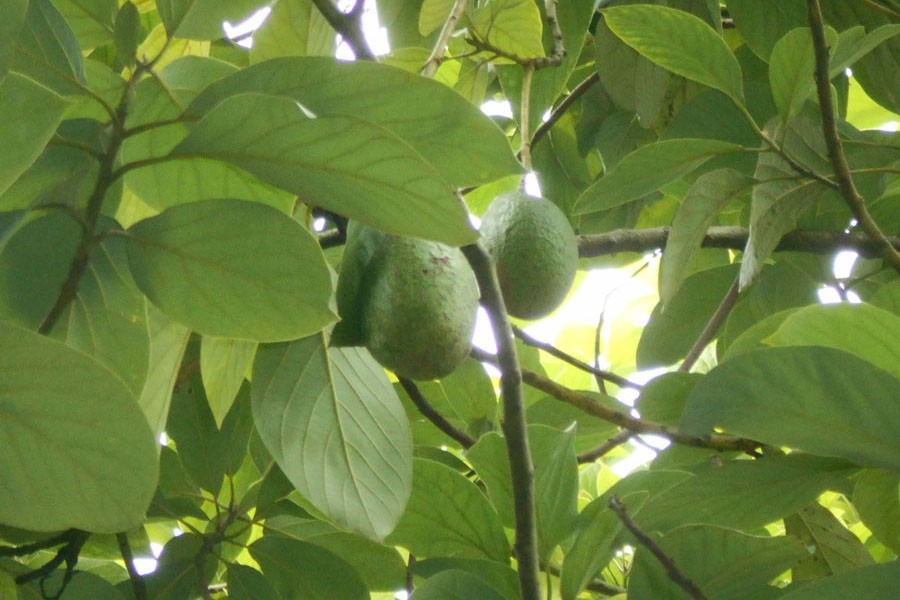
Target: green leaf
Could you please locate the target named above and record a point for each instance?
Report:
(833, 547)
(233, 269)
(880, 582)
(47, 51)
(433, 14)
(72, 431)
(723, 563)
(876, 496)
(35, 258)
(202, 19)
(91, 22)
(790, 70)
(854, 43)
(294, 28)
(380, 566)
(763, 22)
(868, 332)
(788, 396)
(647, 169)
(672, 329)
(127, 33)
(340, 163)
(334, 425)
(448, 516)
(86, 585)
(178, 574)
(744, 494)
(168, 341)
(455, 585)
(33, 113)
(107, 319)
(514, 26)
(12, 17)
(246, 583)
(499, 576)
(699, 209)
(590, 431)
(451, 134)
(301, 571)
(680, 43)
(663, 398)
(224, 363)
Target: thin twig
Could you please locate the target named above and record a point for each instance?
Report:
(833, 140)
(606, 447)
(709, 332)
(650, 544)
(137, 582)
(348, 25)
(595, 585)
(568, 358)
(557, 113)
(525, 118)
(428, 411)
(514, 425)
(440, 47)
(735, 238)
(74, 541)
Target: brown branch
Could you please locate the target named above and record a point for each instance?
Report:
(709, 332)
(428, 411)
(595, 585)
(74, 540)
(833, 140)
(514, 425)
(568, 358)
(557, 113)
(650, 544)
(348, 25)
(606, 447)
(589, 405)
(440, 46)
(137, 582)
(734, 238)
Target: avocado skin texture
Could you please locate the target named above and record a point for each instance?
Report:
(419, 311)
(535, 251)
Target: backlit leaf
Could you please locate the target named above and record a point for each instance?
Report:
(224, 363)
(455, 585)
(301, 571)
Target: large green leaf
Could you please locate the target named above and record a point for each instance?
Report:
(78, 451)
(455, 585)
(499, 576)
(294, 28)
(233, 269)
(202, 19)
(180, 570)
(877, 582)
(699, 209)
(744, 494)
(12, 17)
(514, 26)
(107, 319)
(334, 425)
(433, 14)
(224, 362)
(876, 496)
(246, 583)
(301, 571)
(91, 22)
(47, 51)
(854, 43)
(168, 341)
(647, 169)
(451, 134)
(763, 22)
(32, 114)
(833, 547)
(341, 163)
(861, 329)
(380, 566)
(725, 564)
(789, 396)
(679, 42)
(448, 516)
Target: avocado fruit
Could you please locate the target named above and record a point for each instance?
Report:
(418, 313)
(534, 250)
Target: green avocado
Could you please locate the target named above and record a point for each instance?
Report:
(535, 251)
(419, 307)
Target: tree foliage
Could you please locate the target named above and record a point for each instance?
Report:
(175, 255)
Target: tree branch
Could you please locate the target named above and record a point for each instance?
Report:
(606, 447)
(557, 113)
(348, 25)
(428, 411)
(650, 544)
(440, 47)
(137, 582)
(735, 238)
(709, 332)
(568, 358)
(537, 62)
(833, 140)
(74, 540)
(514, 425)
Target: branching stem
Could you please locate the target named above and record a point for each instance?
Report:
(436, 418)
(709, 332)
(440, 47)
